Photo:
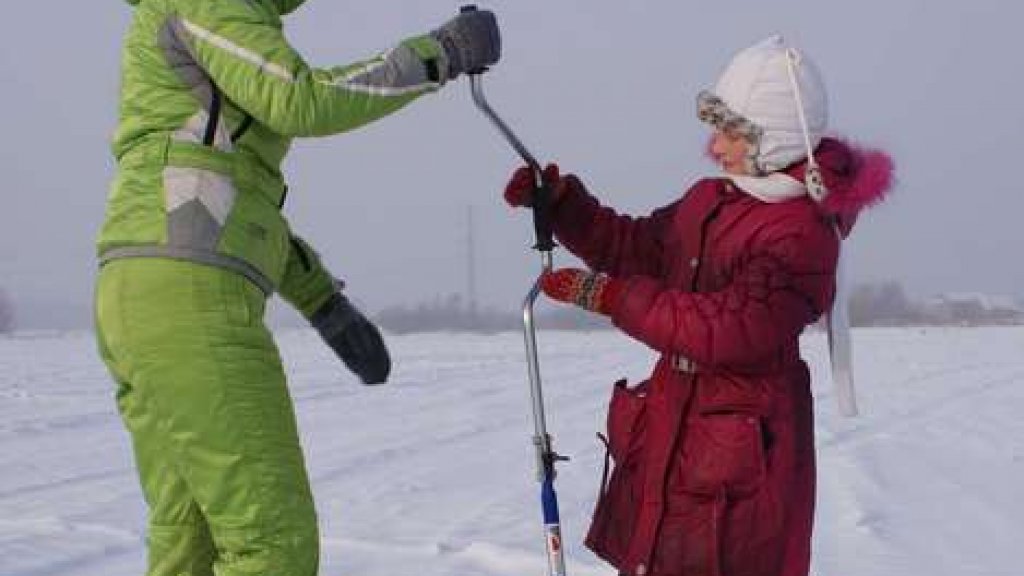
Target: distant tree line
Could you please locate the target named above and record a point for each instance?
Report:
(887, 304)
(882, 304)
(6, 313)
(452, 313)
(874, 304)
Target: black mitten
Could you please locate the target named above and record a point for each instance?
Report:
(353, 338)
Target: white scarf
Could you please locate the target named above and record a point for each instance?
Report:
(771, 189)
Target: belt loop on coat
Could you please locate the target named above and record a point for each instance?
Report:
(683, 364)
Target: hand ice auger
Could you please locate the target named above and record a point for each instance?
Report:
(546, 456)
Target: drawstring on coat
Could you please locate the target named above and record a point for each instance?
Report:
(840, 345)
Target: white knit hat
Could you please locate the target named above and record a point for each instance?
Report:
(770, 91)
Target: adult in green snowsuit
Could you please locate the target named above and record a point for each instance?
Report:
(193, 244)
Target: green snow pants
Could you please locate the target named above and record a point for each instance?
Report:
(202, 392)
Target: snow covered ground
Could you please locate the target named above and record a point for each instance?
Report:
(432, 475)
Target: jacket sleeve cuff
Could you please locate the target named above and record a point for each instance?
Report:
(433, 56)
(310, 305)
(571, 211)
(307, 283)
(611, 295)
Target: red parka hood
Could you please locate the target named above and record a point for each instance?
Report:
(856, 178)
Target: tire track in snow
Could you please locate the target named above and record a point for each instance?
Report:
(459, 558)
(95, 545)
(948, 400)
(408, 482)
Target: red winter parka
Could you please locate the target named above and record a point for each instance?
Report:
(714, 454)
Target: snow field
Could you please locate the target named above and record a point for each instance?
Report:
(433, 473)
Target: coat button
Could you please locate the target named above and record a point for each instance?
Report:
(694, 262)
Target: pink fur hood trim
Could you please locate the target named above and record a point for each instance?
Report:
(856, 177)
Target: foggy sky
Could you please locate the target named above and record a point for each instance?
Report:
(605, 88)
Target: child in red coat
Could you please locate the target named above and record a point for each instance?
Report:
(714, 453)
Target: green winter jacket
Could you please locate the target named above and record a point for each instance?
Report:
(212, 95)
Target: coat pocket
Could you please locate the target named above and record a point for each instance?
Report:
(723, 454)
(626, 425)
(619, 503)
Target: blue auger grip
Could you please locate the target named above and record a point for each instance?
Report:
(549, 501)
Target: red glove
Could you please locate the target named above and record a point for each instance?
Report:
(589, 290)
(519, 190)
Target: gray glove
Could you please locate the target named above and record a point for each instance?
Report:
(471, 41)
(353, 338)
